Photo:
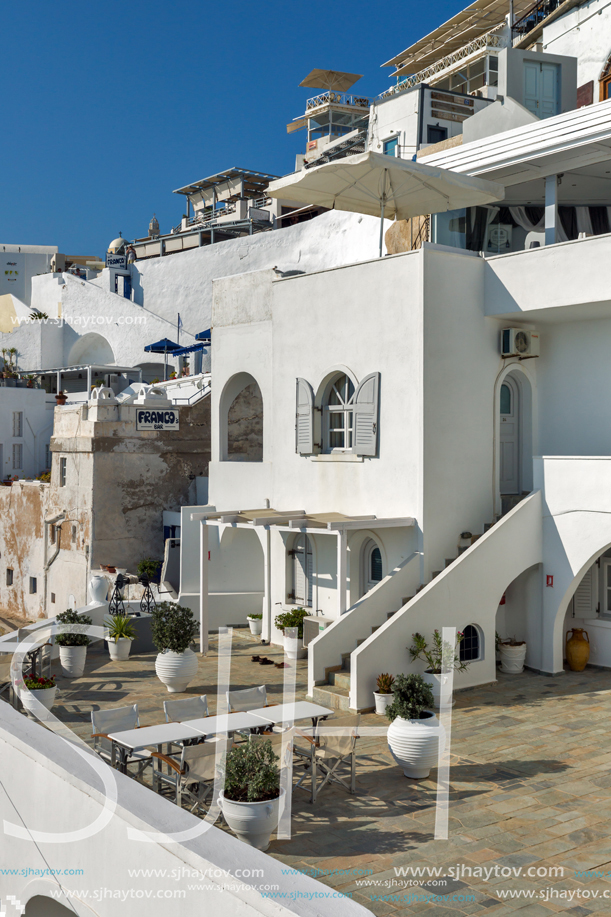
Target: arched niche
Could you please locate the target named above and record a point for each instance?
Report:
(241, 420)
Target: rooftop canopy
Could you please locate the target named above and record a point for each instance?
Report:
(299, 519)
(333, 80)
(477, 19)
(163, 346)
(246, 184)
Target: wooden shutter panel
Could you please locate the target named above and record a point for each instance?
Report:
(304, 420)
(585, 595)
(365, 440)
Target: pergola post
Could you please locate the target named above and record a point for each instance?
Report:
(551, 209)
(203, 587)
(342, 569)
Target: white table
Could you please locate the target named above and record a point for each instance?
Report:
(230, 722)
(130, 740)
(300, 710)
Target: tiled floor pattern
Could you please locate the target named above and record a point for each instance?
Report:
(530, 787)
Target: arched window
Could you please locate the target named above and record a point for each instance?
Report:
(241, 420)
(303, 571)
(371, 565)
(470, 648)
(338, 414)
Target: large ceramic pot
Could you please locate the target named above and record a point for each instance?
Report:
(577, 649)
(119, 649)
(176, 670)
(72, 660)
(512, 658)
(98, 588)
(255, 624)
(46, 696)
(252, 822)
(382, 701)
(414, 744)
(294, 648)
(441, 688)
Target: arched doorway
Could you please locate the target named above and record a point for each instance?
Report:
(90, 349)
(509, 437)
(41, 906)
(241, 420)
(514, 436)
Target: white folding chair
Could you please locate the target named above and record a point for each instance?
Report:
(189, 708)
(329, 753)
(192, 776)
(247, 699)
(117, 719)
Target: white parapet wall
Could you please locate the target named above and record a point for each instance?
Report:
(48, 787)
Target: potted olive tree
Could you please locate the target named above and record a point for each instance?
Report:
(73, 642)
(38, 689)
(440, 658)
(293, 646)
(174, 629)
(383, 696)
(119, 635)
(255, 622)
(414, 732)
(250, 801)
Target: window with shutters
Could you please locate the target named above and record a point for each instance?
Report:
(17, 456)
(303, 572)
(18, 424)
(338, 415)
(585, 600)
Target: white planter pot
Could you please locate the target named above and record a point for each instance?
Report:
(119, 651)
(98, 588)
(72, 660)
(176, 670)
(440, 686)
(294, 648)
(512, 659)
(252, 822)
(46, 696)
(382, 701)
(256, 625)
(414, 744)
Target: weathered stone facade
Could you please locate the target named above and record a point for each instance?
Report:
(245, 426)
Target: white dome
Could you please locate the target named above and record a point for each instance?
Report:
(116, 245)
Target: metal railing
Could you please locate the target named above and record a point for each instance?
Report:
(337, 98)
(533, 17)
(491, 39)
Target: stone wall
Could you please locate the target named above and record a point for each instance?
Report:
(245, 426)
(23, 507)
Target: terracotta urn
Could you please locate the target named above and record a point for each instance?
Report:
(61, 398)
(577, 649)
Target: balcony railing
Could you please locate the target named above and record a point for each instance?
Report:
(533, 17)
(337, 98)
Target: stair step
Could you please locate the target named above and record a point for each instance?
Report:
(346, 662)
(474, 538)
(449, 560)
(487, 526)
(462, 550)
(377, 627)
(330, 696)
(435, 573)
(340, 680)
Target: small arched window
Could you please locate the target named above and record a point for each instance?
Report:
(338, 414)
(371, 565)
(505, 399)
(470, 648)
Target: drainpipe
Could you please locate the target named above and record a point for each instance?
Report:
(60, 517)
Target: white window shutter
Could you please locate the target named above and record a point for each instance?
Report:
(304, 420)
(366, 397)
(585, 595)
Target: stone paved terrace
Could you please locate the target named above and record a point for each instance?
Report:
(530, 787)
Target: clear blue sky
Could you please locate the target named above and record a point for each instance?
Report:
(107, 107)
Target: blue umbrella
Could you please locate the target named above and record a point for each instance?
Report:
(165, 346)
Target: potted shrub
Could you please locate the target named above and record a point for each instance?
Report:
(414, 732)
(119, 635)
(73, 643)
(174, 629)
(38, 689)
(150, 568)
(250, 801)
(293, 646)
(255, 622)
(383, 696)
(439, 657)
(513, 654)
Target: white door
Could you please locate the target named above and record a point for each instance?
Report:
(541, 94)
(510, 437)
(302, 571)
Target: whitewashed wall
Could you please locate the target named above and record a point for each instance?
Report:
(584, 33)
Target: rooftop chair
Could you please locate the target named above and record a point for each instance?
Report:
(5, 677)
(325, 756)
(249, 699)
(117, 719)
(192, 776)
(189, 708)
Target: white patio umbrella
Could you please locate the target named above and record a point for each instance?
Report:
(374, 183)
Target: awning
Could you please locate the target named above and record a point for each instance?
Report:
(336, 80)
(204, 335)
(299, 520)
(164, 346)
(191, 348)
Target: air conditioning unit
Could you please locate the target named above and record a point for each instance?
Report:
(517, 342)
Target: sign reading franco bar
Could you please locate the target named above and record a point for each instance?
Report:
(156, 420)
(116, 261)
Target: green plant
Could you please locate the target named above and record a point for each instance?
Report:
(440, 656)
(74, 637)
(292, 618)
(37, 315)
(251, 773)
(119, 627)
(39, 684)
(45, 477)
(255, 617)
(384, 683)
(151, 568)
(173, 627)
(155, 381)
(412, 698)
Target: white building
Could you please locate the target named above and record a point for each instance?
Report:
(26, 425)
